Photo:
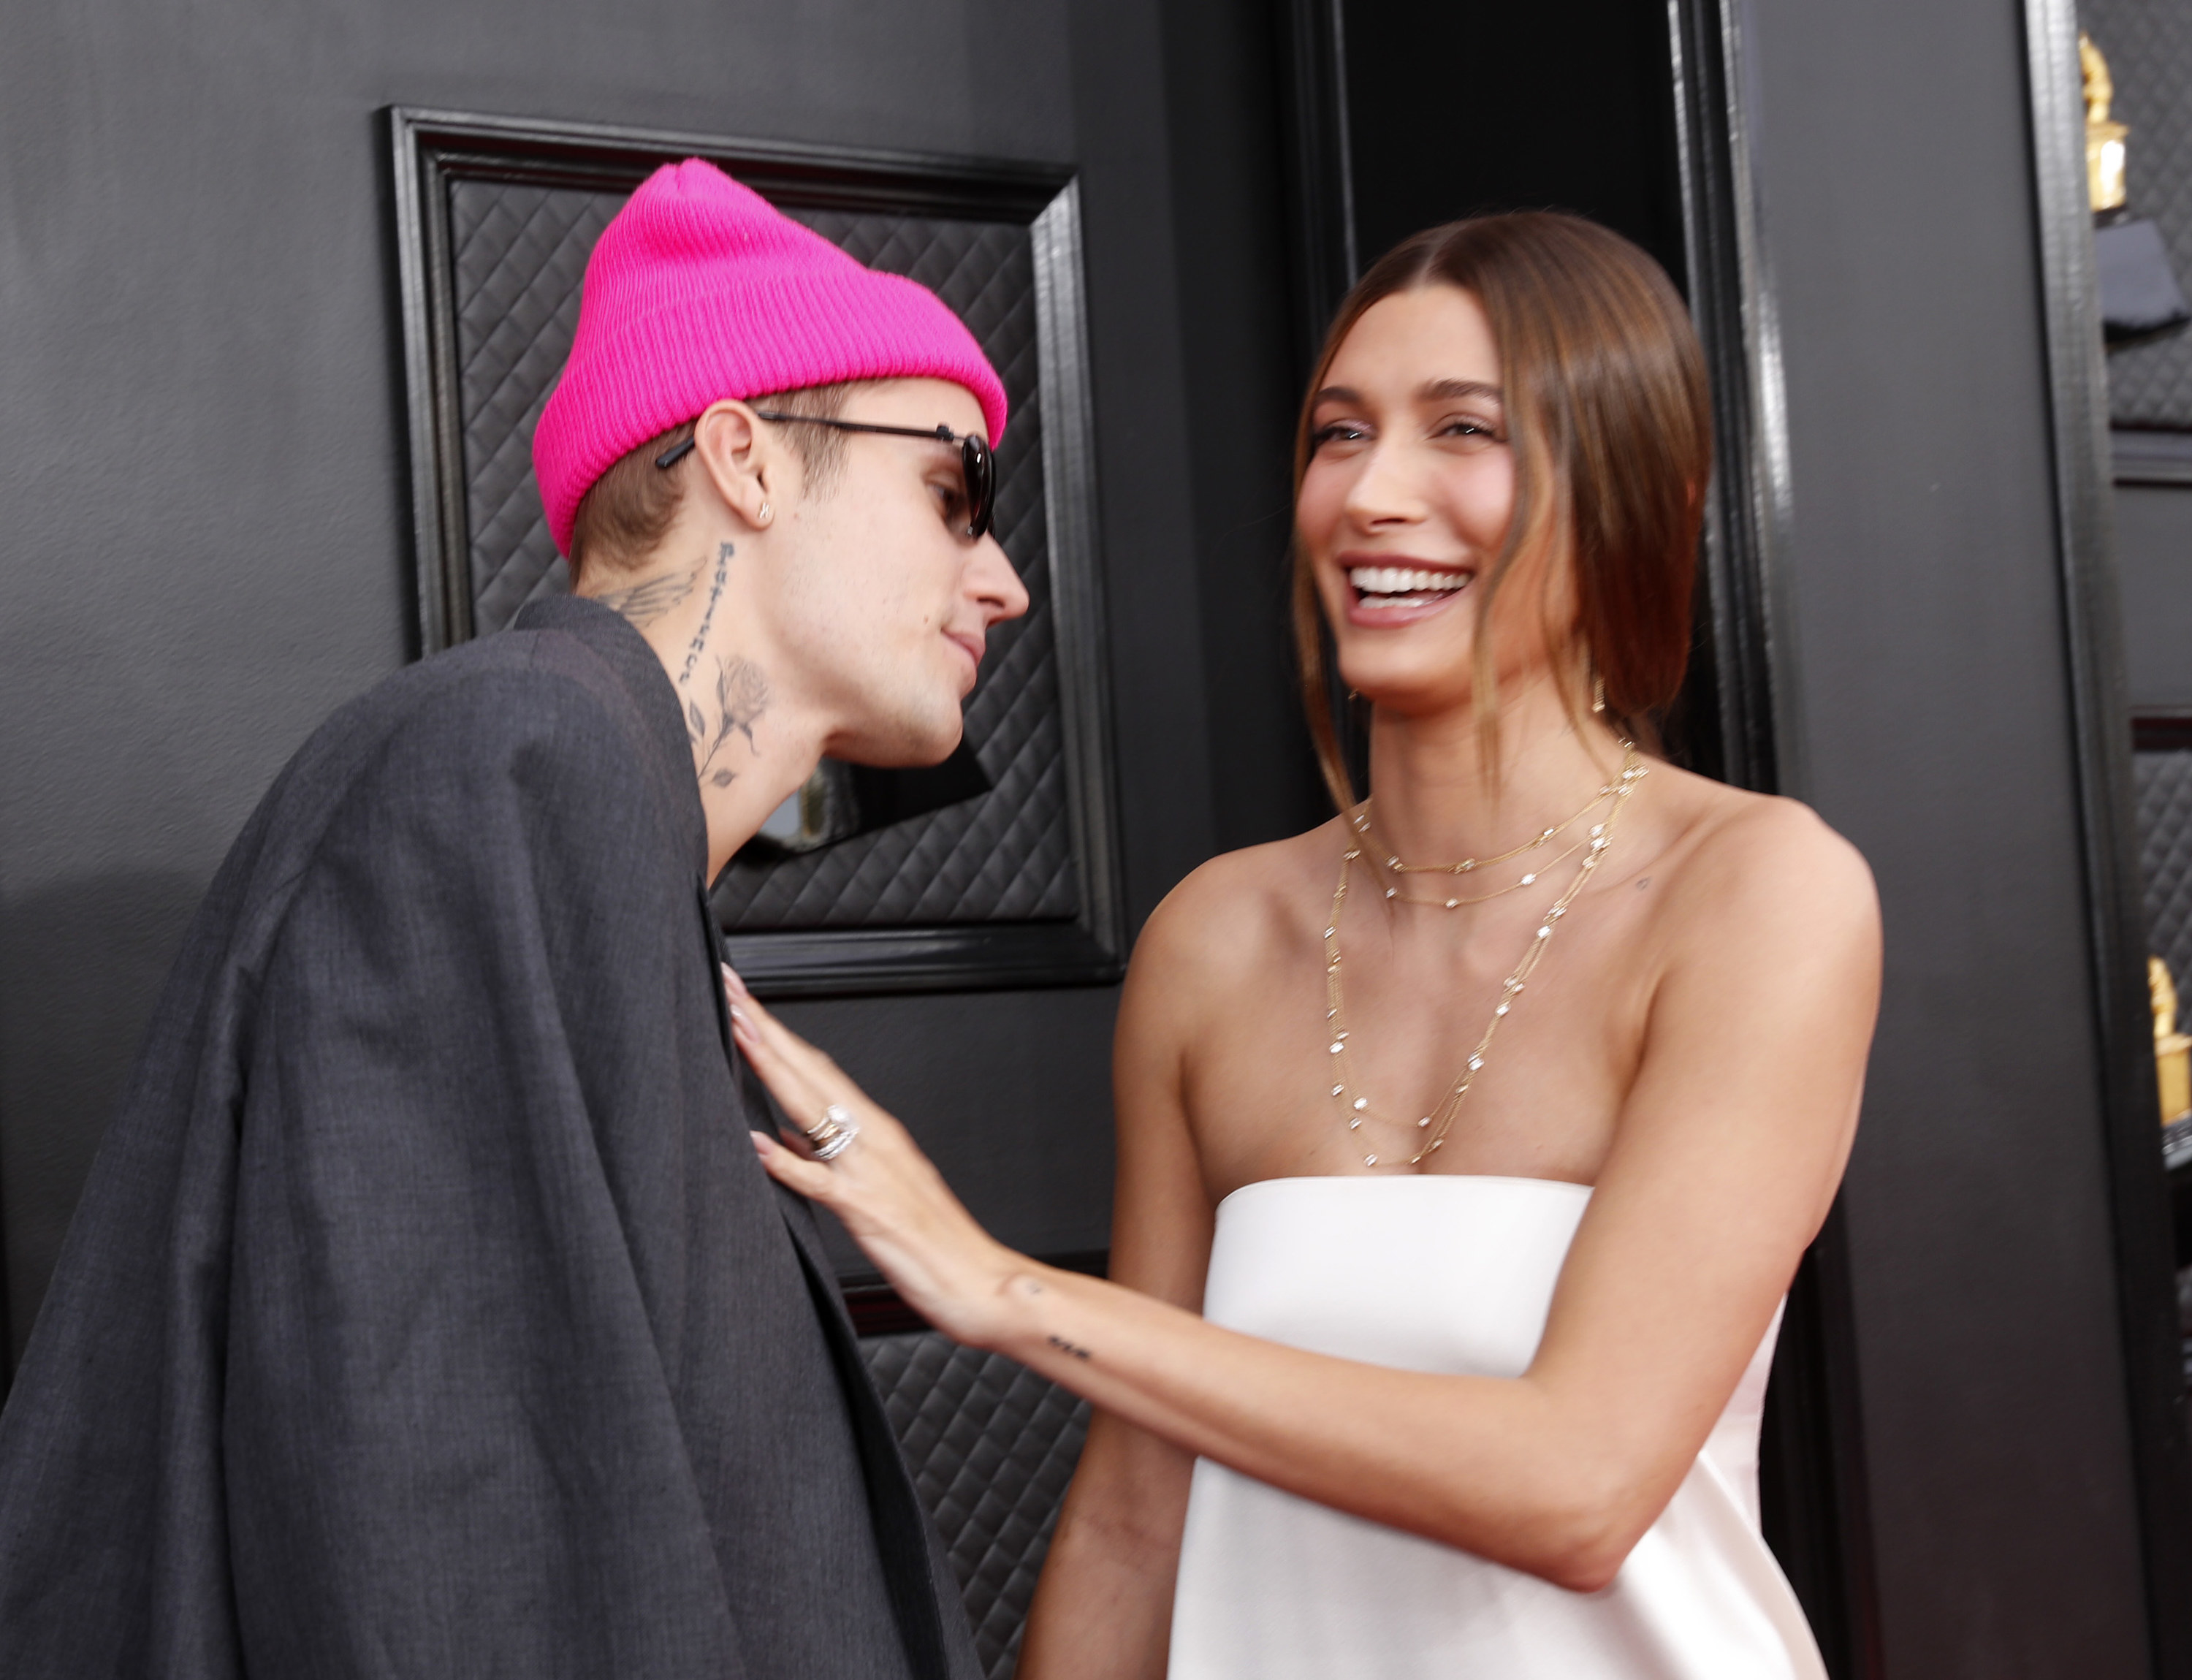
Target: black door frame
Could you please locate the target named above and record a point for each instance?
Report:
(1812, 1460)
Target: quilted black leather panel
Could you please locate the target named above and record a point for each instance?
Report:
(2164, 780)
(518, 253)
(992, 1448)
(2149, 47)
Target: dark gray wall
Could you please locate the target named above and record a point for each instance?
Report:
(2154, 550)
(1895, 151)
(199, 479)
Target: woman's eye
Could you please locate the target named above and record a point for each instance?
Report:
(1468, 433)
(1336, 432)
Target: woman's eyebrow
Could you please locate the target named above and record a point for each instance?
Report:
(1336, 393)
(1451, 391)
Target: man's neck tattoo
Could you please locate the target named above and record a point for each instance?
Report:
(741, 698)
(724, 553)
(643, 602)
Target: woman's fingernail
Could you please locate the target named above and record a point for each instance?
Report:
(764, 1143)
(740, 1016)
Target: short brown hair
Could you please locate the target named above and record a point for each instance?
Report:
(1610, 416)
(626, 511)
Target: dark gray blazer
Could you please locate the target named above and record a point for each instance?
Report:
(427, 1312)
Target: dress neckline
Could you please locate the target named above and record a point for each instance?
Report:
(1408, 1178)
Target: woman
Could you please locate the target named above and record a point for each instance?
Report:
(1486, 1123)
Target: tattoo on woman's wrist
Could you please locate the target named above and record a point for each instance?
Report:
(1065, 1346)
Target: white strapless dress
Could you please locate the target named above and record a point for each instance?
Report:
(1452, 1273)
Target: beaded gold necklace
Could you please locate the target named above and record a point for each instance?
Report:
(1354, 1107)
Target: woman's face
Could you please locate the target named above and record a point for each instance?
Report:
(1407, 500)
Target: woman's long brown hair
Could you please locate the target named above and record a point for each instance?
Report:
(1609, 416)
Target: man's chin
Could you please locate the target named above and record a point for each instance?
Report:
(916, 746)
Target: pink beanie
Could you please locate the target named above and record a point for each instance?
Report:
(700, 290)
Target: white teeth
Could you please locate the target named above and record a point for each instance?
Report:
(1405, 581)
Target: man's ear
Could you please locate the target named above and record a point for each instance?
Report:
(746, 461)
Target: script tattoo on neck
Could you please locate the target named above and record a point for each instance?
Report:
(643, 602)
(724, 553)
(741, 697)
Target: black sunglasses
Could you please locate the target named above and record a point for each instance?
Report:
(977, 466)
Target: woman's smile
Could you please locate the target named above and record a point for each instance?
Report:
(1385, 591)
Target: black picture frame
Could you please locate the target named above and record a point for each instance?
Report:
(428, 149)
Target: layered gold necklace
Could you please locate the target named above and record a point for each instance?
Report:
(1431, 1129)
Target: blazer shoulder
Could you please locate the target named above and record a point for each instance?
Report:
(462, 714)
(459, 728)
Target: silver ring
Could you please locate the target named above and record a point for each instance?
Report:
(832, 1134)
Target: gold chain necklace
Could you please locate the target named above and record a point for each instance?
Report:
(1528, 880)
(1394, 864)
(1355, 1108)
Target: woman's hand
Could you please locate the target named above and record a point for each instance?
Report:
(892, 1201)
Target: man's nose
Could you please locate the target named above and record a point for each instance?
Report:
(994, 582)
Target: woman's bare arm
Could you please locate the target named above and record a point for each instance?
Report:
(1103, 1609)
(1727, 1156)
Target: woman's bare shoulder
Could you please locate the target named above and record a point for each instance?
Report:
(1762, 857)
(1235, 913)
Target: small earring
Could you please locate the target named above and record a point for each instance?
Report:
(764, 514)
(1598, 693)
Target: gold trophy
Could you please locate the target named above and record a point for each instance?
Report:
(2104, 137)
(2172, 1050)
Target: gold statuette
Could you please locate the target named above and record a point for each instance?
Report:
(2104, 138)
(2172, 1050)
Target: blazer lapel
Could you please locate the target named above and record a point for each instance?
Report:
(913, 1559)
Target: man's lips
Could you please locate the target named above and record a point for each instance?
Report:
(970, 645)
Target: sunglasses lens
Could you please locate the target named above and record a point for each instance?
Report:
(980, 467)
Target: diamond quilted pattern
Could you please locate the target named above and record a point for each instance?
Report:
(2164, 781)
(2149, 47)
(519, 252)
(992, 1446)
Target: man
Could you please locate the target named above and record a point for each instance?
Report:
(427, 1311)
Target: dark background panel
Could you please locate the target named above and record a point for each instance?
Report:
(1146, 487)
(2154, 551)
(1244, 376)
(1459, 109)
(1895, 154)
(1034, 1068)
(200, 474)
